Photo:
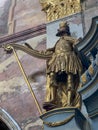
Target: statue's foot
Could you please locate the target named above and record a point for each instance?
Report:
(49, 105)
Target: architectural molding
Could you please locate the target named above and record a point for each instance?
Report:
(8, 120)
(90, 40)
(11, 21)
(56, 9)
(23, 35)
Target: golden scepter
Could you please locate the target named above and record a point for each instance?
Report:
(11, 48)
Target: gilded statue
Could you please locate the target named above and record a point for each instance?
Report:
(64, 68)
(63, 72)
(56, 9)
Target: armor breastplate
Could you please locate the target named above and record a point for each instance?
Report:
(63, 45)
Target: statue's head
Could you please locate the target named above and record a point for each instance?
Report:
(63, 29)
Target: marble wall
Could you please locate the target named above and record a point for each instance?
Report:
(15, 97)
(4, 15)
(19, 15)
(28, 14)
(88, 15)
(90, 10)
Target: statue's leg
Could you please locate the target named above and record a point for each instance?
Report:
(63, 95)
(50, 93)
(70, 89)
(50, 88)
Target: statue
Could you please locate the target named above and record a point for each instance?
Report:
(64, 68)
(63, 71)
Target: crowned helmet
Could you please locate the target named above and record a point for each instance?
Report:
(63, 28)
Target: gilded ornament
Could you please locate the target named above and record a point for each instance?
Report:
(84, 78)
(56, 9)
(91, 70)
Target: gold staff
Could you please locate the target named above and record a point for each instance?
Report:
(25, 77)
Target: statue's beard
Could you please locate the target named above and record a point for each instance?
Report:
(63, 32)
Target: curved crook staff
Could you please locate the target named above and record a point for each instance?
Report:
(28, 50)
(9, 48)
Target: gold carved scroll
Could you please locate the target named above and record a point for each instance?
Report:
(56, 9)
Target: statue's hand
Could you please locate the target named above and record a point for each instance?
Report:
(8, 48)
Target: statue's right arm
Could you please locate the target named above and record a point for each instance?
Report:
(29, 50)
(42, 54)
(45, 52)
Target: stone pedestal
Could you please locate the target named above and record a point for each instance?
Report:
(64, 119)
